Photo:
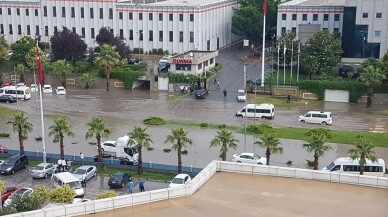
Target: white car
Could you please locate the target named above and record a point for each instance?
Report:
(34, 88)
(47, 88)
(249, 158)
(60, 91)
(1, 162)
(241, 96)
(22, 192)
(179, 180)
(111, 146)
(84, 173)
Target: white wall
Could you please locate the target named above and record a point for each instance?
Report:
(336, 96)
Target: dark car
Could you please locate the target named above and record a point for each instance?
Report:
(3, 149)
(7, 193)
(106, 156)
(118, 179)
(132, 61)
(344, 71)
(7, 99)
(201, 93)
(14, 163)
(163, 67)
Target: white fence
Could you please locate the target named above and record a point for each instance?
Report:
(200, 179)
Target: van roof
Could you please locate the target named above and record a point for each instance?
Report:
(266, 105)
(349, 160)
(66, 176)
(320, 112)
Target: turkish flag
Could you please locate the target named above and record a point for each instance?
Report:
(39, 64)
(265, 7)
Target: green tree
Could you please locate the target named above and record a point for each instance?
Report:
(31, 60)
(87, 80)
(21, 47)
(248, 22)
(371, 76)
(143, 139)
(59, 129)
(107, 194)
(363, 151)
(288, 39)
(98, 129)
(107, 58)
(21, 125)
(321, 53)
(270, 143)
(2, 186)
(179, 140)
(62, 68)
(384, 65)
(62, 194)
(4, 47)
(226, 140)
(317, 144)
(41, 193)
(21, 69)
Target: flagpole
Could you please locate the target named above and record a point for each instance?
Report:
(297, 71)
(263, 50)
(292, 58)
(284, 64)
(277, 79)
(39, 65)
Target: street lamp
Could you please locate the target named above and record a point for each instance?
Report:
(140, 35)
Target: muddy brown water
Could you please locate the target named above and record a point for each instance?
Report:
(231, 194)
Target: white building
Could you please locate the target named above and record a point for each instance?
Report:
(193, 62)
(173, 25)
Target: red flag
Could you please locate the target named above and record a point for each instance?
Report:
(265, 7)
(39, 64)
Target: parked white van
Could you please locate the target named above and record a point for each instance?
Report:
(348, 165)
(67, 178)
(257, 111)
(316, 117)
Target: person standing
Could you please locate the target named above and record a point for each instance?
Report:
(218, 84)
(141, 185)
(130, 186)
(59, 165)
(82, 158)
(288, 98)
(53, 169)
(63, 162)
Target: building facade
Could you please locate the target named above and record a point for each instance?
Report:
(193, 62)
(173, 25)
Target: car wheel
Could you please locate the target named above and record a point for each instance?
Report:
(262, 117)
(302, 121)
(25, 166)
(45, 176)
(95, 174)
(7, 102)
(13, 172)
(238, 161)
(102, 149)
(259, 163)
(325, 123)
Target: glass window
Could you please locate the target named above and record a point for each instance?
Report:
(120, 15)
(141, 35)
(170, 17)
(211, 60)
(19, 29)
(63, 12)
(130, 34)
(336, 168)
(140, 16)
(200, 67)
(28, 30)
(72, 12)
(91, 13)
(171, 38)
(130, 15)
(54, 11)
(101, 13)
(36, 12)
(180, 36)
(151, 35)
(308, 115)
(377, 34)
(18, 11)
(92, 32)
(82, 32)
(284, 16)
(160, 17)
(379, 15)
(183, 67)
(160, 35)
(293, 29)
(304, 17)
(9, 11)
(44, 11)
(150, 16)
(294, 16)
(191, 37)
(82, 12)
(74, 30)
(180, 17)
(283, 30)
(315, 17)
(325, 17)
(336, 17)
(364, 15)
(110, 13)
(191, 17)
(336, 30)
(1, 11)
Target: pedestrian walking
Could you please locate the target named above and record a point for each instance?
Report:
(141, 185)
(59, 165)
(53, 170)
(288, 98)
(63, 163)
(130, 186)
(68, 165)
(82, 158)
(218, 84)
(215, 81)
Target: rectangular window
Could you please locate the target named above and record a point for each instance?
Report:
(72, 12)
(336, 30)
(171, 38)
(18, 11)
(191, 17)
(151, 35)
(37, 30)
(293, 29)
(315, 17)
(200, 66)
(304, 17)
(1, 29)
(54, 11)
(73, 30)
(63, 12)
(36, 12)
(55, 29)
(180, 36)
(45, 11)
(140, 16)
(294, 16)
(46, 31)
(91, 13)
(131, 34)
(82, 12)
(181, 17)
(150, 16)
(336, 17)
(130, 15)
(170, 17)
(19, 29)
(283, 30)
(160, 17)
(9, 11)
(326, 17)
(120, 15)
(1, 11)
(121, 34)
(110, 13)
(284, 16)
(191, 37)
(364, 15)
(141, 35)
(28, 30)
(82, 32)
(379, 15)
(160, 35)
(92, 32)
(10, 29)
(377, 34)
(101, 13)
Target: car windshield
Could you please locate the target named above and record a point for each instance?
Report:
(80, 171)
(46, 87)
(21, 191)
(116, 176)
(39, 168)
(177, 181)
(9, 162)
(256, 156)
(75, 185)
(330, 166)
(241, 93)
(162, 64)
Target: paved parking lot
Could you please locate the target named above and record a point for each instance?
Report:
(93, 186)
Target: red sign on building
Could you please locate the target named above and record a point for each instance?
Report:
(182, 61)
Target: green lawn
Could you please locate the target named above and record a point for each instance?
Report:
(5, 111)
(279, 101)
(53, 117)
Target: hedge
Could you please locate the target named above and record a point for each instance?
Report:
(125, 75)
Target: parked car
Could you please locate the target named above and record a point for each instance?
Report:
(34, 88)
(133, 60)
(7, 193)
(179, 180)
(249, 158)
(42, 170)
(47, 88)
(118, 179)
(3, 149)
(201, 93)
(7, 99)
(5, 83)
(316, 117)
(163, 67)
(241, 96)
(84, 173)
(22, 192)
(14, 163)
(60, 91)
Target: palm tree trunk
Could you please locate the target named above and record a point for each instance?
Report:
(140, 161)
(21, 142)
(268, 155)
(362, 170)
(64, 80)
(107, 78)
(316, 163)
(369, 99)
(179, 159)
(100, 160)
(223, 153)
(61, 148)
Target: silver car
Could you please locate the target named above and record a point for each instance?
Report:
(84, 173)
(43, 170)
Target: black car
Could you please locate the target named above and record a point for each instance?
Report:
(132, 61)
(14, 163)
(7, 99)
(118, 179)
(201, 93)
(163, 67)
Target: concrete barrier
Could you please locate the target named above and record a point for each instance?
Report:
(75, 209)
(367, 181)
(335, 177)
(90, 207)
(244, 168)
(140, 198)
(260, 170)
(286, 172)
(103, 204)
(349, 179)
(189, 189)
(303, 174)
(15, 215)
(122, 201)
(157, 195)
(382, 182)
(55, 211)
(321, 175)
(228, 167)
(176, 192)
(273, 170)
(35, 213)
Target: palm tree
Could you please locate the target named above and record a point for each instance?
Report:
(363, 151)
(62, 68)
(107, 58)
(143, 139)
(59, 129)
(179, 141)
(97, 129)
(225, 139)
(87, 79)
(270, 143)
(371, 76)
(21, 125)
(317, 145)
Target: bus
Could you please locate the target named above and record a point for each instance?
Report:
(23, 92)
(348, 165)
(264, 110)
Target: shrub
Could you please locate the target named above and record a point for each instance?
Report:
(181, 78)
(8, 210)
(218, 67)
(259, 128)
(222, 126)
(154, 121)
(41, 193)
(38, 139)
(107, 194)
(320, 131)
(25, 204)
(136, 50)
(2, 186)
(81, 66)
(310, 163)
(204, 124)
(126, 75)
(289, 163)
(137, 67)
(63, 194)
(184, 152)
(4, 135)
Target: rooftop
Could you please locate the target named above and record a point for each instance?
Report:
(314, 3)
(174, 2)
(195, 54)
